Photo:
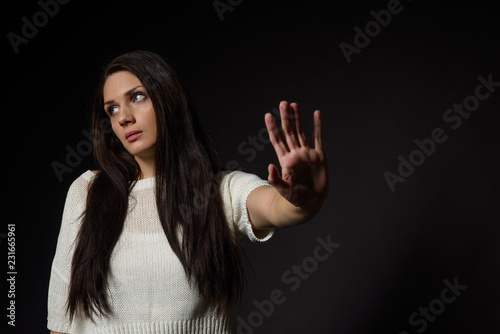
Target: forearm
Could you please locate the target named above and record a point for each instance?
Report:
(268, 209)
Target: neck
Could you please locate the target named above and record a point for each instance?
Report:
(147, 166)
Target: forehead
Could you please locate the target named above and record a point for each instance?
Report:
(119, 83)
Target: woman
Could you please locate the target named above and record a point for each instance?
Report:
(149, 243)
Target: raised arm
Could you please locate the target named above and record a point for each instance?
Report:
(299, 192)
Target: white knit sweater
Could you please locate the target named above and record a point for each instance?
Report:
(148, 289)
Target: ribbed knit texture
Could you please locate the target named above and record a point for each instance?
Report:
(148, 289)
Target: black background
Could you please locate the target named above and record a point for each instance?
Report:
(396, 248)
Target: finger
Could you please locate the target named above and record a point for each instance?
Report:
(298, 125)
(318, 145)
(288, 125)
(274, 135)
(275, 178)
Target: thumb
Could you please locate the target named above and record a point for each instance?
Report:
(275, 178)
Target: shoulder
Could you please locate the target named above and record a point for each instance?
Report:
(86, 177)
(76, 198)
(79, 188)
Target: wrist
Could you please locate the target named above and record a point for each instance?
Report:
(288, 214)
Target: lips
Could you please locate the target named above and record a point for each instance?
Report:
(133, 135)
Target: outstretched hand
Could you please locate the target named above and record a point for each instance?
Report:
(304, 172)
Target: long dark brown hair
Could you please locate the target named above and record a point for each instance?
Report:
(186, 165)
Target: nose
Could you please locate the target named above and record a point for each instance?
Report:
(126, 116)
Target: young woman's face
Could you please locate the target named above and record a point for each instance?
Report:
(131, 112)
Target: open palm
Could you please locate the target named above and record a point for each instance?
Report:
(304, 172)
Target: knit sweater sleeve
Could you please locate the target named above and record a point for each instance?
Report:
(235, 188)
(57, 318)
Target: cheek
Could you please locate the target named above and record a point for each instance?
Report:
(151, 119)
(116, 129)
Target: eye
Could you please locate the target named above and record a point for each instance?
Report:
(112, 110)
(137, 97)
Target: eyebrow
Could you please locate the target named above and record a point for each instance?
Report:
(127, 93)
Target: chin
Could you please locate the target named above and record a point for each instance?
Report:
(142, 152)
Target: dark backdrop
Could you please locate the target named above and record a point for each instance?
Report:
(421, 257)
